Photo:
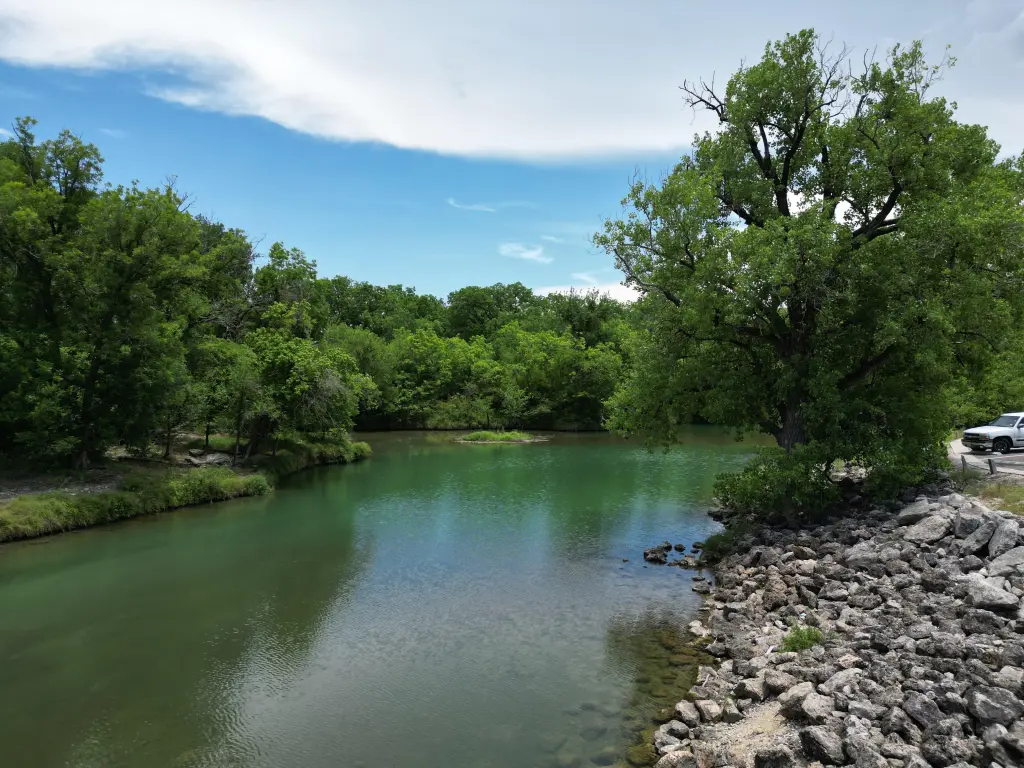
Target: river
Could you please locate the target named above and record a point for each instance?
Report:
(440, 605)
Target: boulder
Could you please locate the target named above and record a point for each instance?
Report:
(822, 744)
(840, 679)
(752, 688)
(686, 712)
(1007, 563)
(710, 711)
(682, 758)
(967, 522)
(913, 513)
(774, 757)
(993, 705)
(861, 555)
(777, 681)
(730, 712)
(979, 538)
(929, 530)
(982, 594)
(921, 709)
(1004, 539)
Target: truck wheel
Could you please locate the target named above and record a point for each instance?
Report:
(1002, 445)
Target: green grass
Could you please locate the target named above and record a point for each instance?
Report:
(800, 639)
(220, 443)
(142, 493)
(1007, 496)
(146, 492)
(496, 437)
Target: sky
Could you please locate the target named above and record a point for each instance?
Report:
(446, 143)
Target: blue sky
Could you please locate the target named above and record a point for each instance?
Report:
(437, 144)
(369, 211)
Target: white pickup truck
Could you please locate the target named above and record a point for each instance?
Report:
(1002, 435)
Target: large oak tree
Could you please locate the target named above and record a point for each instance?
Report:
(821, 263)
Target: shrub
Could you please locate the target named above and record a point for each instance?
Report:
(496, 437)
(800, 639)
(720, 544)
(777, 487)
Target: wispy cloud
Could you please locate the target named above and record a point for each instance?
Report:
(520, 251)
(114, 133)
(5, 132)
(471, 206)
(552, 239)
(586, 277)
(488, 207)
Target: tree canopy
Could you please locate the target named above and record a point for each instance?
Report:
(823, 263)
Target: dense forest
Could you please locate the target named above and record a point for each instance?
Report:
(126, 320)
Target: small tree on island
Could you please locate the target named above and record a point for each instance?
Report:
(818, 268)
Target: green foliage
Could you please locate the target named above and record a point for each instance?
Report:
(801, 639)
(34, 515)
(779, 487)
(821, 269)
(720, 544)
(496, 437)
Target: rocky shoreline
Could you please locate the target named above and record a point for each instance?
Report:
(919, 661)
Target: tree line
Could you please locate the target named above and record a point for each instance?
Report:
(126, 320)
(839, 265)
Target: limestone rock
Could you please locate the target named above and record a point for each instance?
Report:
(1004, 539)
(686, 712)
(822, 744)
(993, 705)
(1007, 563)
(710, 711)
(774, 757)
(981, 594)
(929, 530)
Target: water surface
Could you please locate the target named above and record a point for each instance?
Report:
(448, 606)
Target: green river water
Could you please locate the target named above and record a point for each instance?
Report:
(440, 605)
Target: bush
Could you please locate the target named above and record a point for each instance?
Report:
(496, 437)
(720, 544)
(776, 487)
(800, 639)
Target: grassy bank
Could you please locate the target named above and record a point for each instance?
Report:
(146, 491)
(497, 437)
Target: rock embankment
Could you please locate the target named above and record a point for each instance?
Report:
(921, 662)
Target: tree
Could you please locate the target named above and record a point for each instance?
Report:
(822, 262)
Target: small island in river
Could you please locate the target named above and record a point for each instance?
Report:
(486, 437)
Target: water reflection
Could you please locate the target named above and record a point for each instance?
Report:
(469, 603)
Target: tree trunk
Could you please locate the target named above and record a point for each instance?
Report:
(792, 432)
(206, 445)
(238, 429)
(167, 442)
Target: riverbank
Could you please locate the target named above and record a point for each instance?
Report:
(911, 626)
(148, 489)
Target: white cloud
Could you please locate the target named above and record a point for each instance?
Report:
(520, 251)
(488, 207)
(552, 239)
(5, 132)
(114, 133)
(502, 79)
(617, 291)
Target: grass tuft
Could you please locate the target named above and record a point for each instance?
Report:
(496, 437)
(801, 638)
